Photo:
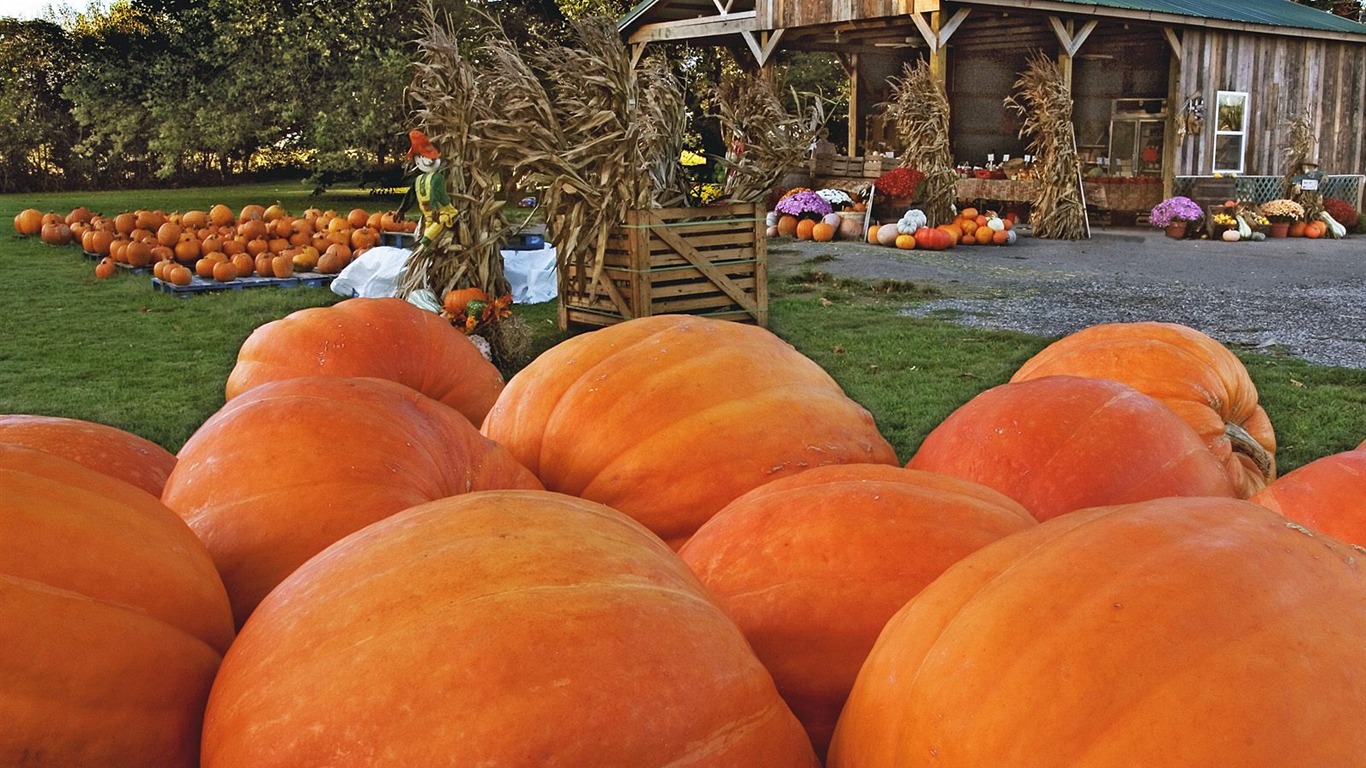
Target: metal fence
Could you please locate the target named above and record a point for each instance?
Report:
(1259, 189)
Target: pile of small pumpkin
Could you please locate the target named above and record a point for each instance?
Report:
(217, 244)
(970, 227)
(677, 541)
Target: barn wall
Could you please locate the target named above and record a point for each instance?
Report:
(1284, 77)
(781, 14)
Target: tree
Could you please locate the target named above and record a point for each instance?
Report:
(36, 130)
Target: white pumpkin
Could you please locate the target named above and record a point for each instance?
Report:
(833, 219)
(1232, 236)
(886, 234)
(772, 218)
(773, 230)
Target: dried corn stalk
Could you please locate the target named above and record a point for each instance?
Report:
(600, 137)
(449, 101)
(1297, 153)
(919, 110)
(1045, 102)
(766, 142)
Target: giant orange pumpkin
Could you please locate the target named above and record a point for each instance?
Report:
(290, 466)
(1062, 443)
(501, 628)
(813, 565)
(1190, 372)
(385, 338)
(1174, 632)
(1327, 494)
(670, 418)
(112, 620)
(100, 447)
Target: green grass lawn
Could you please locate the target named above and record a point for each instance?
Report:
(117, 352)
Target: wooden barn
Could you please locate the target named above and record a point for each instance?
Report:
(1166, 93)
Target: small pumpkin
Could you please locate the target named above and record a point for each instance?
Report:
(805, 227)
(105, 268)
(1231, 236)
(822, 233)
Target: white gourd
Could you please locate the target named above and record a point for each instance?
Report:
(1335, 230)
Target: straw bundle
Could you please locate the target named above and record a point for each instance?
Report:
(1044, 101)
(1298, 151)
(449, 102)
(919, 110)
(765, 140)
(602, 138)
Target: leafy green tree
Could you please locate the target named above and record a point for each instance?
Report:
(36, 129)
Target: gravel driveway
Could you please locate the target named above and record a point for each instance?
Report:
(1302, 297)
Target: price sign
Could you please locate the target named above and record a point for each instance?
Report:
(1310, 185)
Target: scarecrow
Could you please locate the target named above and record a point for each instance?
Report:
(429, 189)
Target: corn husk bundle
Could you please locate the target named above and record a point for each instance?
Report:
(600, 137)
(449, 103)
(1044, 101)
(919, 110)
(765, 140)
(1299, 149)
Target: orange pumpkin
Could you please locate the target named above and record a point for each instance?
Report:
(1191, 373)
(744, 408)
(28, 222)
(1061, 443)
(1327, 494)
(1113, 635)
(113, 620)
(221, 215)
(1315, 229)
(455, 301)
(138, 254)
(105, 268)
(384, 338)
(225, 271)
(634, 665)
(180, 275)
(812, 618)
(282, 266)
(787, 225)
(251, 212)
(822, 232)
(805, 227)
(872, 233)
(357, 218)
(315, 458)
(103, 448)
(905, 242)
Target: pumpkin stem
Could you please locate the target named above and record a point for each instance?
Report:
(1247, 445)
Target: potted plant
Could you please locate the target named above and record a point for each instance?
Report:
(1175, 215)
(899, 184)
(1281, 213)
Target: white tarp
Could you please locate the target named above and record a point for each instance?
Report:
(532, 274)
(375, 274)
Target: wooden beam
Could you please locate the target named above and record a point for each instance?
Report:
(854, 117)
(1174, 42)
(762, 46)
(1071, 42)
(707, 26)
(927, 29)
(637, 51)
(951, 26)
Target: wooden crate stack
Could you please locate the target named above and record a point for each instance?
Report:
(698, 261)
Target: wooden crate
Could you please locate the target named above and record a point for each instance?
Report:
(696, 261)
(837, 165)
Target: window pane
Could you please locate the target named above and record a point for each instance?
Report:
(1231, 107)
(1228, 153)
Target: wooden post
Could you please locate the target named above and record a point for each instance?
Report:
(851, 67)
(1174, 104)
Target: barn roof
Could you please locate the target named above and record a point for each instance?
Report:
(1278, 14)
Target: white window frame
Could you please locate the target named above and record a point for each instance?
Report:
(1241, 133)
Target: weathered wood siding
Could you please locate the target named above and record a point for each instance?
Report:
(781, 14)
(1284, 76)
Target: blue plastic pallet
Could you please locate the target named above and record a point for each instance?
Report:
(202, 285)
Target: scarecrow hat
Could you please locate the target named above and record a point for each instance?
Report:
(420, 145)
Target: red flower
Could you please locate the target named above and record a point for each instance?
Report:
(899, 182)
